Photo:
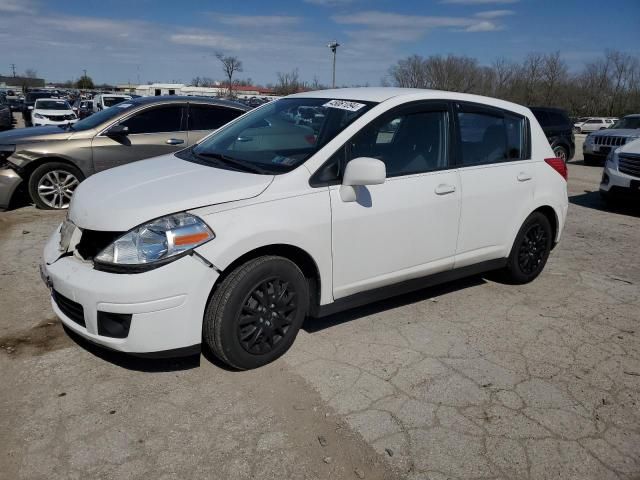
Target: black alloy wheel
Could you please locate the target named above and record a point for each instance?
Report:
(530, 249)
(256, 311)
(266, 316)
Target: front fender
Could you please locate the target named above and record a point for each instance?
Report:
(303, 221)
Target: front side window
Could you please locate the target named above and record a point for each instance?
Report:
(407, 144)
(211, 117)
(156, 120)
(491, 136)
(278, 136)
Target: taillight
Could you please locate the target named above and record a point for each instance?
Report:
(311, 139)
(558, 165)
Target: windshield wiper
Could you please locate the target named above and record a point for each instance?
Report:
(236, 162)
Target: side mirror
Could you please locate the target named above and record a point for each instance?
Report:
(359, 172)
(118, 131)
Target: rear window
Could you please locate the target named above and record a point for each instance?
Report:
(211, 117)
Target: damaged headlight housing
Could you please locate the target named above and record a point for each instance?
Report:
(155, 243)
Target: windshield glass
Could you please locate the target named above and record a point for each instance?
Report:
(31, 97)
(628, 122)
(52, 105)
(281, 135)
(102, 116)
(111, 101)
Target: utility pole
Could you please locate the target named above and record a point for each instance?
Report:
(334, 48)
(84, 78)
(13, 67)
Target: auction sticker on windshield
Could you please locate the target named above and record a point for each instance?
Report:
(124, 105)
(344, 105)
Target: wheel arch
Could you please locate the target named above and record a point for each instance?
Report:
(29, 168)
(297, 255)
(549, 212)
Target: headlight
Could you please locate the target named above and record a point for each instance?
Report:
(612, 159)
(589, 139)
(156, 242)
(37, 115)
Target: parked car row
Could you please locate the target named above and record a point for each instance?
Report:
(51, 161)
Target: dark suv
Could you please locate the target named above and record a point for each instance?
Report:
(559, 130)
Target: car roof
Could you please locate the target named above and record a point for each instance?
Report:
(184, 98)
(381, 94)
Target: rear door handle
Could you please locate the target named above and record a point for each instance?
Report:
(524, 177)
(174, 141)
(443, 189)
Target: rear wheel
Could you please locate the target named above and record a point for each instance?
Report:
(52, 184)
(255, 314)
(530, 249)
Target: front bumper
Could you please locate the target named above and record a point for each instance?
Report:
(9, 182)
(39, 122)
(620, 184)
(166, 304)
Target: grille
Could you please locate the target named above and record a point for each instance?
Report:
(609, 140)
(70, 308)
(629, 163)
(59, 118)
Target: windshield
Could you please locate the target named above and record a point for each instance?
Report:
(281, 135)
(111, 101)
(31, 97)
(628, 122)
(52, 105)
(102, 116)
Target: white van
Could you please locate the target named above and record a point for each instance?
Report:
(103, 101)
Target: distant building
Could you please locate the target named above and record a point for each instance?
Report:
(157, 89)
(21, 82)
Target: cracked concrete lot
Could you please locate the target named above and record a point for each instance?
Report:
(470, 380)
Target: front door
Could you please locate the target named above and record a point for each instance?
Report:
(152, 132)
(407, 227)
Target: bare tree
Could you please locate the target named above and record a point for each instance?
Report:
(288, 83)
(30, 73)
(230, 65)
(409, 72)
(554, 74)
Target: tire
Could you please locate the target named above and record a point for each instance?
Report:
(52, 184)
(247, 346)
(561, 152)
(530, 249)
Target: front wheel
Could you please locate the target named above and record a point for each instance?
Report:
(530, 249)
(52, 184)
(255, 314)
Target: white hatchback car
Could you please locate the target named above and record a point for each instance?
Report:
(52, 111)
(234, 241)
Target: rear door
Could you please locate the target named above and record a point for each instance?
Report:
(205, 118)
(154, 131)
(497, 180)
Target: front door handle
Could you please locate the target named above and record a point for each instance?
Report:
(443, 189)
(524, 177)
(174, 141)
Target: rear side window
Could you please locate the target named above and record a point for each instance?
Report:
(491, 136)
(559, 119)
(210, 117)
(156, 120)
(542, 117)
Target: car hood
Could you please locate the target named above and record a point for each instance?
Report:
(34, 134)
(121, 198)
(618, 132)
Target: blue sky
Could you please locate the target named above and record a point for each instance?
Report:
(156, 40)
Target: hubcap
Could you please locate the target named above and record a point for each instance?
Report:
(56, 188)
(266, 316)
(532, 249)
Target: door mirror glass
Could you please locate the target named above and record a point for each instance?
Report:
(118, 130)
